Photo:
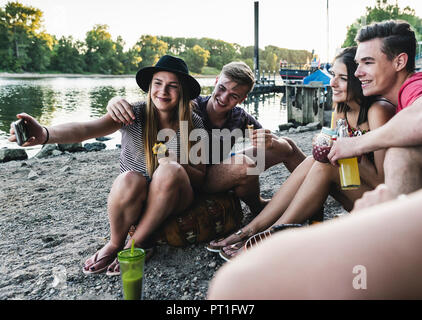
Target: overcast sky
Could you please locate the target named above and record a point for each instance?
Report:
(293, 24)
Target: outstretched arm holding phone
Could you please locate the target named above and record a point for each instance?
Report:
(63, 133)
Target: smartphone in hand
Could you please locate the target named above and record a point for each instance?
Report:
(21, 131)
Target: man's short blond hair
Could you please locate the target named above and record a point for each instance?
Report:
(239, 72)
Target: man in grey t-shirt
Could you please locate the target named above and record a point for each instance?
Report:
(233, 170)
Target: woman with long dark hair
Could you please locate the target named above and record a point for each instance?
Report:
(309, 185)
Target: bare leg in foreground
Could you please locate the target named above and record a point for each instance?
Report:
(371, 254)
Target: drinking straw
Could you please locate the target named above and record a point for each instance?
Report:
(132, 248)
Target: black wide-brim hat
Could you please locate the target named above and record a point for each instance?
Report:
(171, 64)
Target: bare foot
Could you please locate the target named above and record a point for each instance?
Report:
(240, 236)
(230, 251)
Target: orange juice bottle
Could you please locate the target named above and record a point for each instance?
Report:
(349, 170)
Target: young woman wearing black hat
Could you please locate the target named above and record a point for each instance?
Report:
(151, 185)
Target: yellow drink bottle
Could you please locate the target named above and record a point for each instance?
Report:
(349, 169)
(349, 173)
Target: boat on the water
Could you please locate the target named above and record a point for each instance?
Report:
(295, 72)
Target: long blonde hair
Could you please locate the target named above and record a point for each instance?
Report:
(150, 133)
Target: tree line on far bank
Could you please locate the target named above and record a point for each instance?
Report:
(26, 46)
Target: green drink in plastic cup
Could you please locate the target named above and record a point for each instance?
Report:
(131, 272)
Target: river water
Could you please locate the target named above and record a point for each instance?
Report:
(55, 100)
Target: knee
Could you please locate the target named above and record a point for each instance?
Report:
(281, 149)
(402, 158)
(309, 160)
(169, 176)
(321, 169)
(289, 152)
(241, 164)
(398, 154)
(309, 163)
(286, 145)
(130, 186)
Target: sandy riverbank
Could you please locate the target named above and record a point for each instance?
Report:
(53, 222)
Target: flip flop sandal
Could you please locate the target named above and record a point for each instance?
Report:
(90, 272)
(111, 273)
(257, 238)
(225, 256)
(233, 247)
(216, 248)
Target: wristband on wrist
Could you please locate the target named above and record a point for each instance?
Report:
(48, 135)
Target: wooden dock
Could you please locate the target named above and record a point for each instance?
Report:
(265, 85)
(305, 103)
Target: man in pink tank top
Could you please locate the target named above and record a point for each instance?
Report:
(386, 66)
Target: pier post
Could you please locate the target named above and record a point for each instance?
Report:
(256, 48)
(289, 91)
(307, 109)
(306, 103)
